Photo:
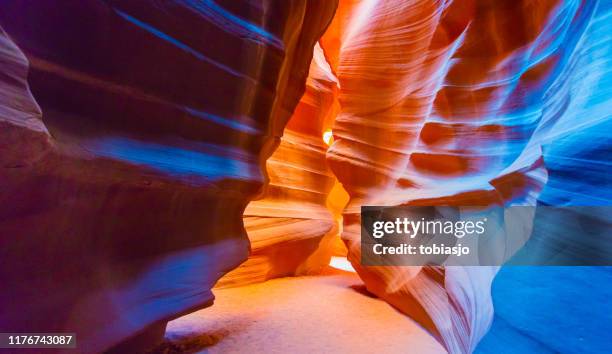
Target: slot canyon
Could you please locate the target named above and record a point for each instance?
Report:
(188, 176)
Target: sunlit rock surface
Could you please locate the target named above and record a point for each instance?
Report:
(286, 227)
(133, 136)
(448, 103)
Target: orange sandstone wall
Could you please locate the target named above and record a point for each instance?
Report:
(286, 227)
(441, 103)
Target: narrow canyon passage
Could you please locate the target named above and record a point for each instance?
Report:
(191, 176)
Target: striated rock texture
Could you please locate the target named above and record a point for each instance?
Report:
(286, 227)
(133, 135)
(447, 103)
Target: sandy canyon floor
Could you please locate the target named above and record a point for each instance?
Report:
(329, 313)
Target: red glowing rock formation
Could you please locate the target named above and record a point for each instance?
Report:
(122, 195)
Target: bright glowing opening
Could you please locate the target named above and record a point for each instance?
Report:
(341, 263)
(327, 136)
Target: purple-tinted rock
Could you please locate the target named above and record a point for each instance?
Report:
(122, 195)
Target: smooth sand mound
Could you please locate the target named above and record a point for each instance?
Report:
(318, 314)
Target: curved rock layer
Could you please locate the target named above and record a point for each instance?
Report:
(447, 103)
(133, 136)
(286, 227)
